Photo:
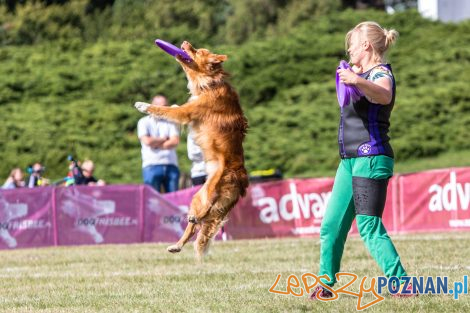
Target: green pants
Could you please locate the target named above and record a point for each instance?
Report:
(341, 212)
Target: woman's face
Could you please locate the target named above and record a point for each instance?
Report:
(356, 49)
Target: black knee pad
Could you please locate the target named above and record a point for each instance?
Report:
(369, 195)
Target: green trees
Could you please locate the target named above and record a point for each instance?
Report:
(69, 78)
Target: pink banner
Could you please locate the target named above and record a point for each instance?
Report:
(428, 201)
(165, 217)
(108, 214)
(26, 218)
(293, 207)
(288, 208)
(435, 200)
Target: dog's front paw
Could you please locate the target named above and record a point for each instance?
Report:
(142, 106)
(174, 249)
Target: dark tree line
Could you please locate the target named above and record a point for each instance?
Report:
(91, 6)
(377, 4)
(101, 4)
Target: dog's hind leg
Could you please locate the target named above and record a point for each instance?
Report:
(188, 233)
(215, 219)
(197, 203)
(208, 230)
(207, 195)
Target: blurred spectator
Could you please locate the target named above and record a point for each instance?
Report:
(36, 179)
(87, 178)
(159, 139)
(75, 172)
(15, 180)
(198, 165)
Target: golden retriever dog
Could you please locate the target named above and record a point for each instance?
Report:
(216, 117)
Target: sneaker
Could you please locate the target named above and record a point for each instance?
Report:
(322, 292)
(408, 294)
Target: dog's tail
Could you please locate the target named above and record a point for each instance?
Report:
(243, 183)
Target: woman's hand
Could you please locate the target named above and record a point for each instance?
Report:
(347, 76)
(379, 91)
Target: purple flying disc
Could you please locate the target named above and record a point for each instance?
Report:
(171, 49)
(346, 93)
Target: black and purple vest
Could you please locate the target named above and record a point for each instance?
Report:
(364, 126)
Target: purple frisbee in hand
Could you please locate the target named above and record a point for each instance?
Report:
(172, 50)
(346, 93)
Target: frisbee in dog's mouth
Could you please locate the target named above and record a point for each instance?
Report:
(172, 50)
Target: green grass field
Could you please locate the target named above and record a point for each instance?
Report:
(235, 276)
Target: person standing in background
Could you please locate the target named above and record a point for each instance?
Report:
(159, 139)
(198, 165)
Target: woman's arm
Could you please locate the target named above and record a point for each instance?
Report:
(379, 91)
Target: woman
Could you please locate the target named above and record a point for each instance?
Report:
(15, 180)
(361, 181)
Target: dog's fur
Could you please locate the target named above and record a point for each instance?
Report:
(216, 117)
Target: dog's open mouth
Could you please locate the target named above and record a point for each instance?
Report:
(190, 51)
(184, 59)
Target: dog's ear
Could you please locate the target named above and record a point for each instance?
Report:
(218, 58)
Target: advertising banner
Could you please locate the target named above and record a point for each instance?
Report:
(165, 215)
(293, 207)
(26, 218)
(94, 215)
(431, 201)
(435, 201)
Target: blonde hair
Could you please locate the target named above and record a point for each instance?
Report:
(11, 177)
(380, 38)
(14, 171)
(88, 165)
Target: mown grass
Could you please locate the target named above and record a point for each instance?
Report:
(235, 277)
